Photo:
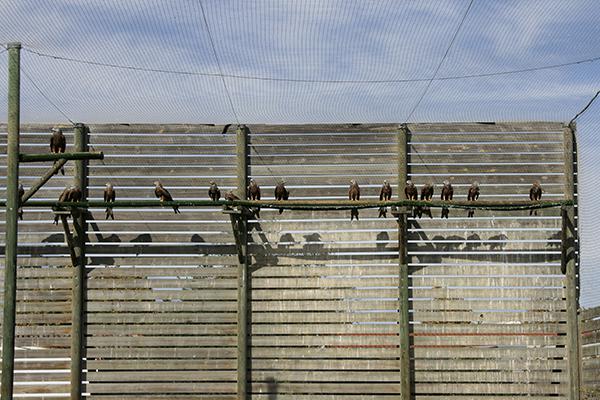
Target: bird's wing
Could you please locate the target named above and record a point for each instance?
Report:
(257, 193)
(106, 195)
(113, 195)
(62, 144)
(165, 193)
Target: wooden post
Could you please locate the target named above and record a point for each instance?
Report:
(569, 265)
(405, 372)
(242, 233)
(12, 206)
(80, 180)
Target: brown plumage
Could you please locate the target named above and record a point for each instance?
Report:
(386, 192)
(253, 190)
(230, 196)
(354, 191)
(426, 195)
(382, 212)
(447, 195)
(213, 191)
(410, 191)
(281, 193)
(535, 194)
(21, 194)
(75, 194)
(58, 143)
(109, 196)
(473, 195)
(164, 195)
(71, 193)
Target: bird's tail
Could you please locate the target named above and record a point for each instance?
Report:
(176, 209)
(281, 211)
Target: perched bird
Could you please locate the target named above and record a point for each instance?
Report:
(109, 196)
(164, 195)
(354, 195)
(213, 191)
(253, 193)
(75, 194)
(253, 190)
(21, 194)
(426, 195)
(411, 193)
(354, 191)
(473, 195)
(58, 144)
(64, 196)
(386, 192)
(230, 196)
(225, 129)
(535, 194)
(382, 212)
(447, 194)
(281, 193)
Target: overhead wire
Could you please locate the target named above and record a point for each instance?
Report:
(585, 108)
(296, 80)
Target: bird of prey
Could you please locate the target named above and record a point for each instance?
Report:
(281, 193)
(213, 192)
(64, 196)
(354, 195)
(109, 196)
(164, 195)
(411, 193)
(253, 190)
(386, 192)
(473, 195)
(21, 194)
(535, 194)
(225, 129)
(58, 144)
(426, 195)
(354, 191)
(75, 194)
(230, 196)
(447, 194)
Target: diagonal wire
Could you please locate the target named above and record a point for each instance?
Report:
(30, 79)
(584, 108)
(412, 111)
(214, 49)
(462, 21)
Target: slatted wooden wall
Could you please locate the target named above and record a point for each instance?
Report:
(589, 326)
(487, 296)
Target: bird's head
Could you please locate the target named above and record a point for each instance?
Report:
(409, 183)
(446, 183)
(21, 186)
(385, 182)
(58, 130)
(157, 184)
(475, 184)
(352, 181)
(212, 183)
(536, 183)
(109, 185)
(282, 181)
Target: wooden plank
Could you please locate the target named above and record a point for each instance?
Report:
(167, 377)
(158, 318)
(143, 388)
(142, 353)
(153, 306)
(172, 329)
(161, 365)
(162, 341)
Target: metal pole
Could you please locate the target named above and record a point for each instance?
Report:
(80, 180)
(405, 371)
(242, 232)
(569, 265)
(12, 205)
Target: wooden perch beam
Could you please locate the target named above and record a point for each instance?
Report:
(305, 204)
(80, 155)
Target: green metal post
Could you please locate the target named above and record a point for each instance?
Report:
(405, 370)
(242, 232)
(12, 205)
(80, 180)
(569, 265)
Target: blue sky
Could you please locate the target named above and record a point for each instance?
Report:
(314, 40)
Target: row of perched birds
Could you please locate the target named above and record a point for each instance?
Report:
(253, 192)
(58, 145)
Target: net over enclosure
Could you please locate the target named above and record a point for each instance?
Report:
(488, 300)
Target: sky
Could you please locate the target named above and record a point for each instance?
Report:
(314, 61)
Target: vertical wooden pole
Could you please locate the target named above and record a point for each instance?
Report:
(569, 266)
(80, 180)
(405, 372)
(12, 205)
(242, 232)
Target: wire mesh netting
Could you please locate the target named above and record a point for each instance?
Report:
(315, 62)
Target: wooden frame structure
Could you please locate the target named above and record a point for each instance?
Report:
(241, 229)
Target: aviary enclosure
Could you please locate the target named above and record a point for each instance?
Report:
(216, 303)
